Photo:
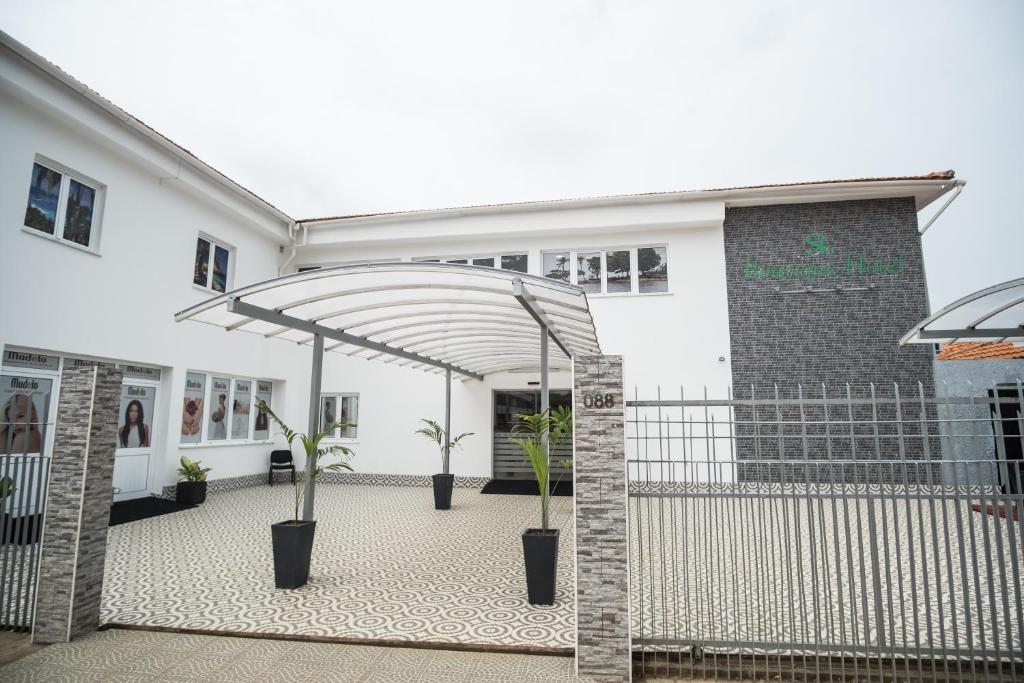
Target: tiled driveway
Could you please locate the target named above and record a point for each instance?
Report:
(144, 657)
(386, 566)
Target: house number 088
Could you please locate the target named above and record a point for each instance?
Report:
(593, 400)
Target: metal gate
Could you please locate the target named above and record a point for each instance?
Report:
(815, 535)
(24, 475)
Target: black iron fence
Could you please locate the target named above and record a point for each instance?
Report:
(870, 535)
(24, 474)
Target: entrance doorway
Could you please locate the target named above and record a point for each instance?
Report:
(508, 462)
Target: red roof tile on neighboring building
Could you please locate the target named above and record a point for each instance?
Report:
(980, 351)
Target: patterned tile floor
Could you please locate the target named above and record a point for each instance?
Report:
(145, 657)
(385, 566)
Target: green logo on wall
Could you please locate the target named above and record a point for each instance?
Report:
(815, 245)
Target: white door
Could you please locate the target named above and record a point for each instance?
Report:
(135, 438)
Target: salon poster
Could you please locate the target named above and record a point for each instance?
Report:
(192, 409)
(240, 409)
(134, 420)
(220, 389)
(22, 422)
(263, 393)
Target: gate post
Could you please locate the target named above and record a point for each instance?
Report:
(70, 581)
(603, 649)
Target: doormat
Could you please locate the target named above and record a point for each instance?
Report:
(525, 487)
(143, 508)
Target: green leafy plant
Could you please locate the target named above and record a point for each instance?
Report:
(191, 470)
(556, 425)
(314, 452)
(435, 432)
(7, 488)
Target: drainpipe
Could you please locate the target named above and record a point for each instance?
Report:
(959, 188)
(292, 229)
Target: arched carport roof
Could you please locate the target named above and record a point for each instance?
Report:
(992, 314)
(472, 320)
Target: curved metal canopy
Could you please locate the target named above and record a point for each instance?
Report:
(993, 314)
(473, 320)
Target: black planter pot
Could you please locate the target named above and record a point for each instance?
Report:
(443, 490)
(293, 546)
(540, 553)
(191, 492)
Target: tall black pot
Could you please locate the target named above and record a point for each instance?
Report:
(443, 484)
(293, 547)
(540, 553)
(191, 492)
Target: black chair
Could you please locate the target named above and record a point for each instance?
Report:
(281, 460)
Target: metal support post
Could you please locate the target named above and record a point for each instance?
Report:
(314, 422)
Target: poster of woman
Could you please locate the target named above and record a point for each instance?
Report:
(218, 430)
(240, 409)
(192, 407)
(133, 428)
(261, 430)
(23, 410)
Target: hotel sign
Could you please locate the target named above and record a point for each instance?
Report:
(825, 263)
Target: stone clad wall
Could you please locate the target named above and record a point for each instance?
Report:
(602, 547)
(70, 582)
(833, 337)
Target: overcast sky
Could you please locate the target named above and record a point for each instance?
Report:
(342, 107)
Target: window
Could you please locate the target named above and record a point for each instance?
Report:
(212, 264)
(63, 205)
(641, 270)
(513, 262)
(334, 407)
(652, 265)
(217, 409)
(556, 266)
(264, 393)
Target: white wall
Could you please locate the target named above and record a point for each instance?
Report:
(673, 338)
(119, 304)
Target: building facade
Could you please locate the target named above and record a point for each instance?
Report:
(109, 229)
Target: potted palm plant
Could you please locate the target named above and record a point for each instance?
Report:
(444, 481)
(192, 488)
(540, 546)
(293, 538)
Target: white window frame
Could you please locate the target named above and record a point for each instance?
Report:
(305, 267)
(469, 259)
(214, 243)
(67, 175)
(338, 396)
(634, 270)
(204, 434)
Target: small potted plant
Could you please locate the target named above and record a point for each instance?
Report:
(192, 488)
(540, 546)
(444, 481)
(293, 538)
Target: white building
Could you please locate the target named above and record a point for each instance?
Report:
(107, 229)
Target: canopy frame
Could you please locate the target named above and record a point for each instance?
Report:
(488, 326)
(986, 306)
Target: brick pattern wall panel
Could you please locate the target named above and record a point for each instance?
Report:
(602, 551)
(824, 340)
(834, 337)
(78, 503)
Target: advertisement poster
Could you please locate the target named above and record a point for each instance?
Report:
(24, 402)
(134, 420)
(263, 393)
(192, 408)
(329, 411)
(240, 409)
(219, 390)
